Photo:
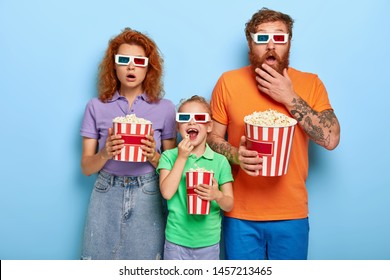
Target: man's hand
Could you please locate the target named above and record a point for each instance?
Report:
(278, 87)
(250, 161)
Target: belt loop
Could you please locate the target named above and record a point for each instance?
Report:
(139, 181)
(112, 179)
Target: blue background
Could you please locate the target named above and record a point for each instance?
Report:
(50, 52)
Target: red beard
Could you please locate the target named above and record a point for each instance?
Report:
(282, 62)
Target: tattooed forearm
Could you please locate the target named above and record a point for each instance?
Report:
(318, 126)
(301, 109)
(315, 132)
(225, 149)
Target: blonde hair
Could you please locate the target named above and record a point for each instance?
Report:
(196, 98)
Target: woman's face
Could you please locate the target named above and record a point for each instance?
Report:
(130, 76)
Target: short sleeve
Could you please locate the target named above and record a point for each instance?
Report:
(88, 125)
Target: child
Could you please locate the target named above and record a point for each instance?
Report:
(126, 213)
(194, 236)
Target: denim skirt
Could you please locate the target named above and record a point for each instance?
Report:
(126, 219)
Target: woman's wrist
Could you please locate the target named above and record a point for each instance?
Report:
(155, 158)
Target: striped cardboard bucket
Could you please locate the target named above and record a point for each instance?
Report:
(132, 133)
(273, 144)
(195, 205)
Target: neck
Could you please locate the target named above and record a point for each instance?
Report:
(130, 93)
(200, 149)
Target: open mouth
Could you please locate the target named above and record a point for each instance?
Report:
(192, 133)
(271, 59)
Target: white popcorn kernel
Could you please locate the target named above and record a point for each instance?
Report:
(269, 118)
(131, 119)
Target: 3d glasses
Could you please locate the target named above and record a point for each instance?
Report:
(264, 38)
(198, 117)
(141, 61)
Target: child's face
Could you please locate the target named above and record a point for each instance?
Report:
(197, 132)
(131, 76)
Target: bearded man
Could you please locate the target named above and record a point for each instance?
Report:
(269, 219)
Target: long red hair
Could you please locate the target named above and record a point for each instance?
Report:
(108, 81)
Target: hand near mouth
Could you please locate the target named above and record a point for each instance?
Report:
(185, 147)
(275, 85)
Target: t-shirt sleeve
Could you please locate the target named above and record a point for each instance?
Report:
(169, 130)
(320, 100)
(165, 161)
(88, 125)
(226, 172)
(218, 102)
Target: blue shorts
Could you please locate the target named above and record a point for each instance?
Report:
(272, 240)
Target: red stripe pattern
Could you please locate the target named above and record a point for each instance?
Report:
(132, 134)
(273, 144)
(195, 205)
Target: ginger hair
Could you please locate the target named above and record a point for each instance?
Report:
(108, 82)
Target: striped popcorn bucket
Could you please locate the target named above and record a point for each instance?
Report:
(273, 144)
(132, 133)
(195, 205)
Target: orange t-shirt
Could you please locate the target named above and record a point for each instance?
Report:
(266, 198)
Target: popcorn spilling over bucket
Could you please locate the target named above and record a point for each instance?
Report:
(132, 130)
(195, 205)
(270, 133)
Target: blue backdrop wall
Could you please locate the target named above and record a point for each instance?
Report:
(49, 54)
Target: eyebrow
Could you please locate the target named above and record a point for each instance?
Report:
(274, 31)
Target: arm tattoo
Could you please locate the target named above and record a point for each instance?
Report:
(304, 114)
(225, 149)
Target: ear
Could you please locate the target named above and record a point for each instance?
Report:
(210, 126)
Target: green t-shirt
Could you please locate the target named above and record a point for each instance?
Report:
(188, 230)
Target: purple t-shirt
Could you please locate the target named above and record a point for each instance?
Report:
(98, 118)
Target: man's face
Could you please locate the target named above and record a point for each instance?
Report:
(271, 53)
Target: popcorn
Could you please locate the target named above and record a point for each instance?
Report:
(200, 169)
(132, 131)
(269, 118)
(270, 133)
(131, 119)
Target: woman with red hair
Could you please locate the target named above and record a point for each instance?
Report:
(126, 214)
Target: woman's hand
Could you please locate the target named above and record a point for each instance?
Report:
(149, 147)
(113, 146)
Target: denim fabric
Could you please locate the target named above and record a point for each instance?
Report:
(176, 252)
(126, 218)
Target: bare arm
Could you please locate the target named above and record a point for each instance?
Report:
(92, 161)
(217, 142)
(322, 127)
(248, 160)
(223, 197)
(170, 179)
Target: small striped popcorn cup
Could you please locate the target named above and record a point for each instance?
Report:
(195, 205)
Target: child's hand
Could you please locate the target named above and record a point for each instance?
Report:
(207, 192)
(113, 146)
(185, 148)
